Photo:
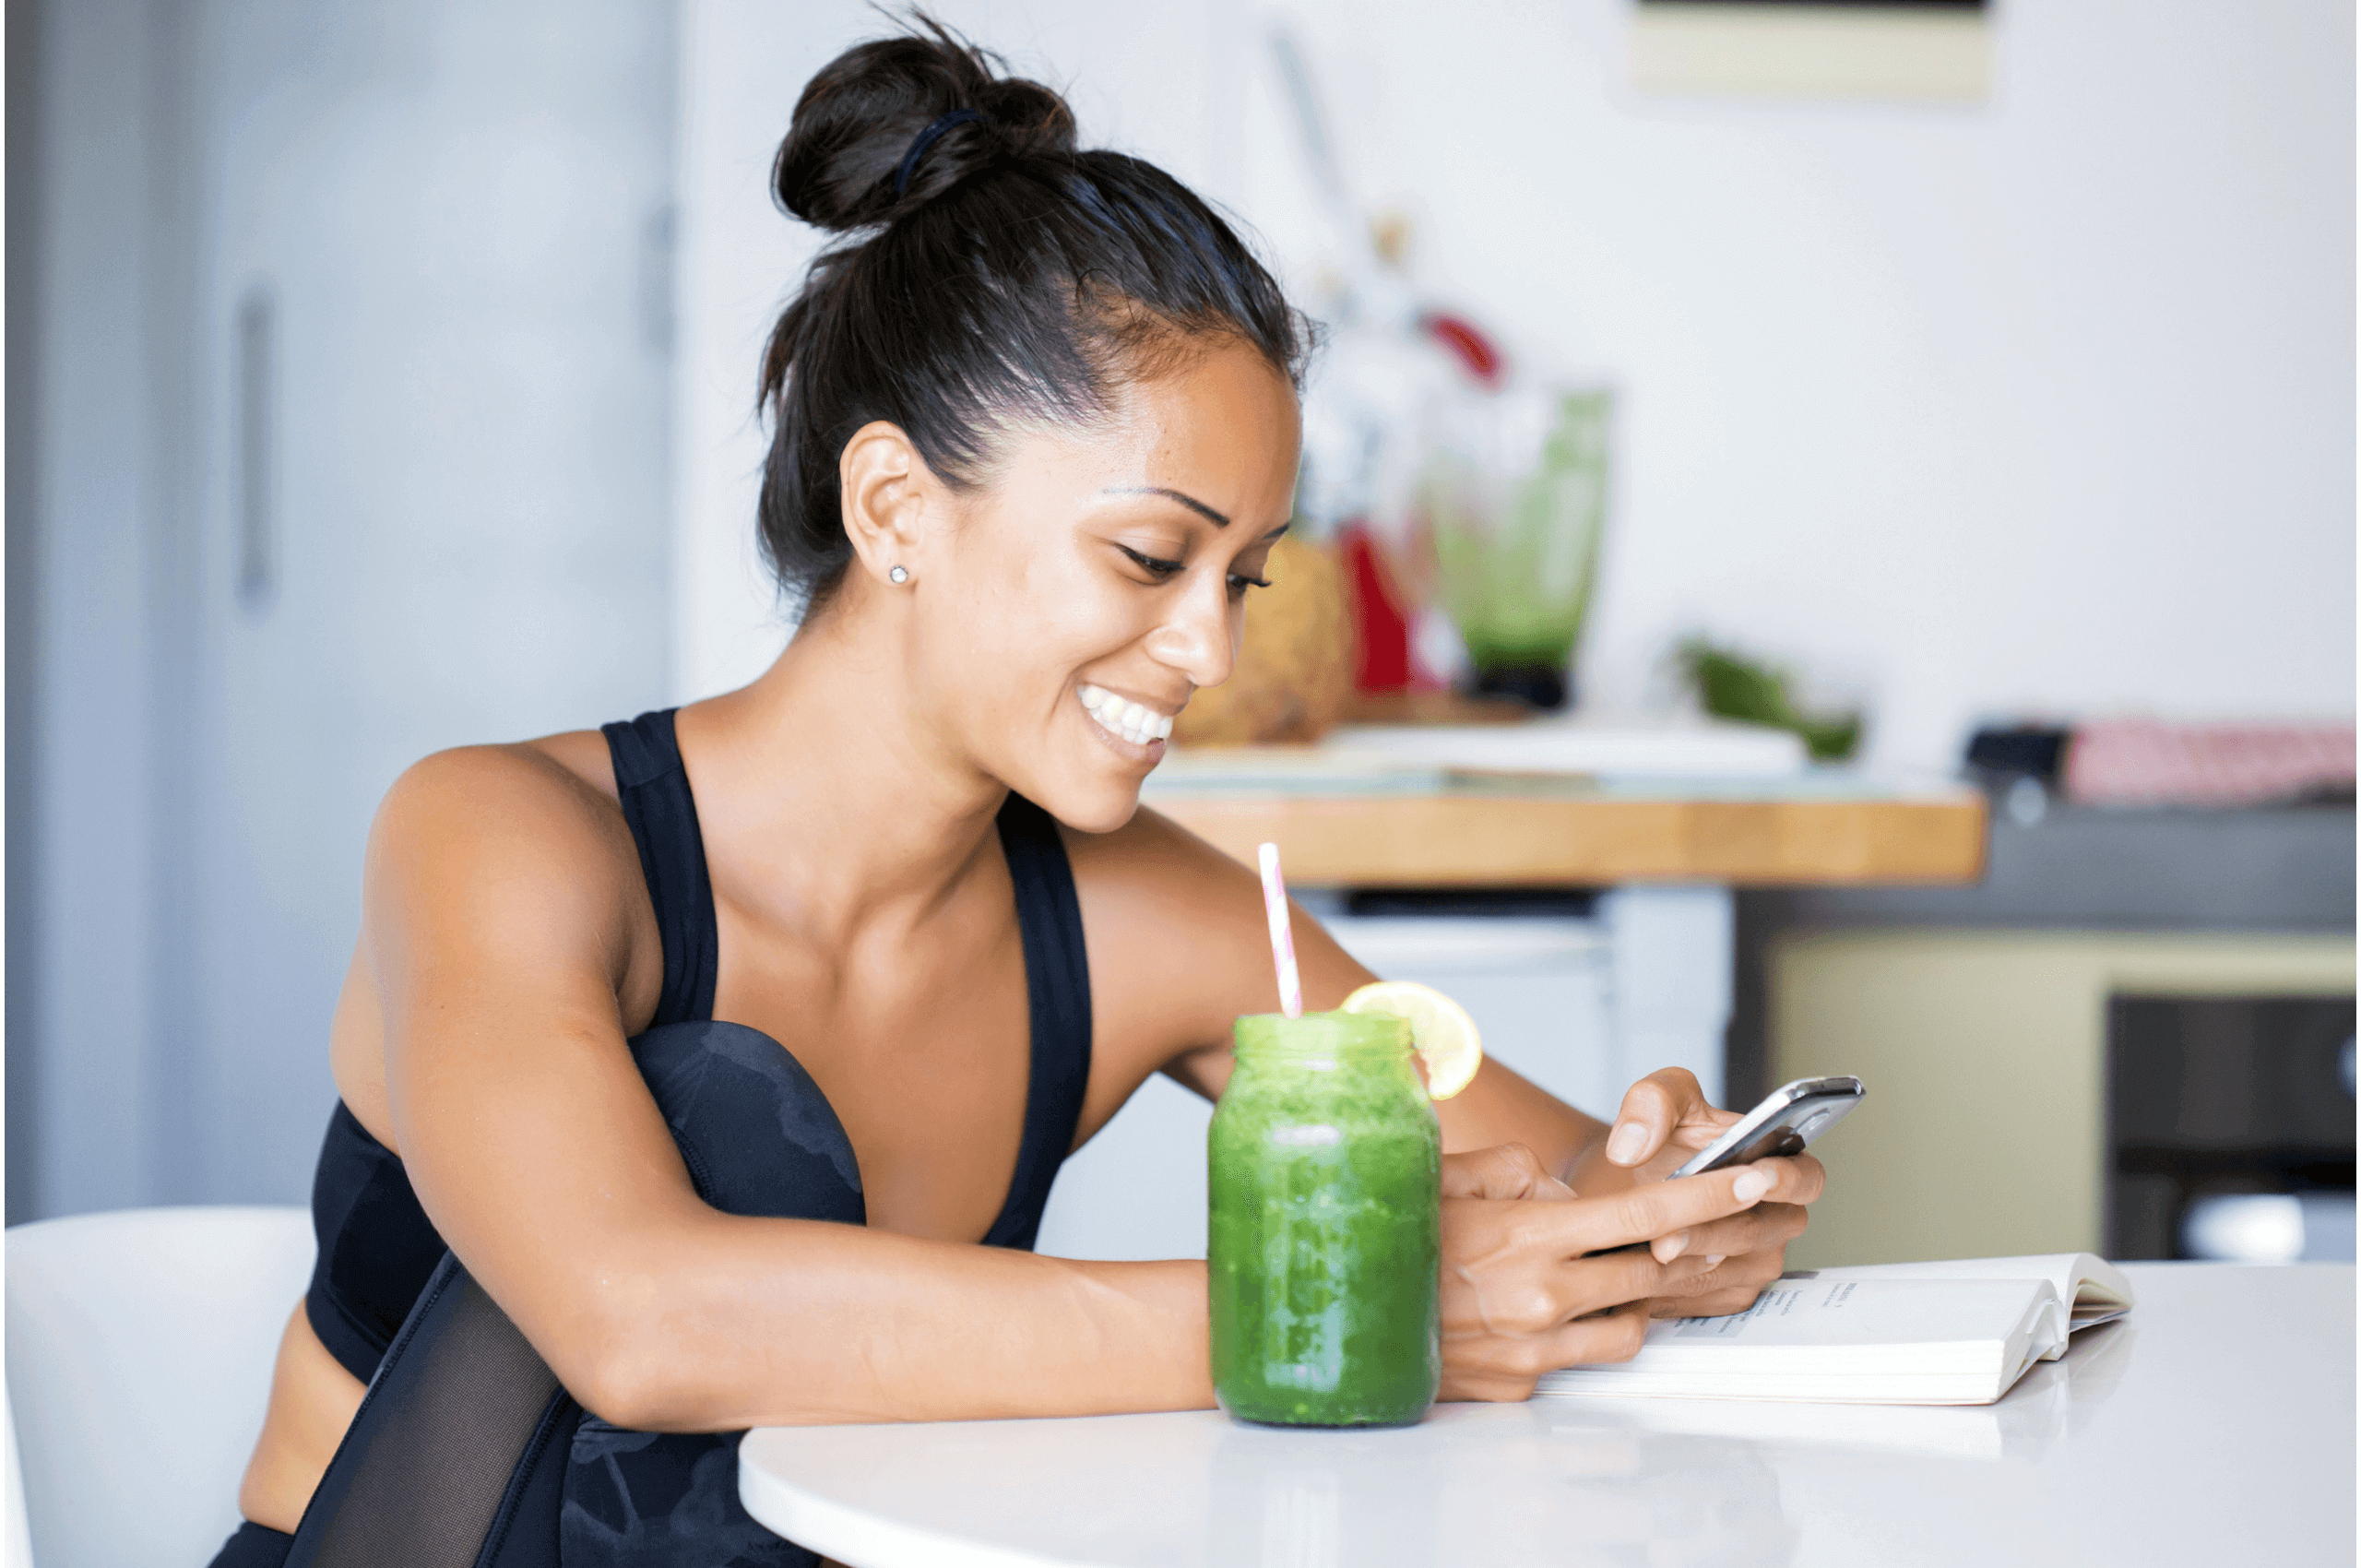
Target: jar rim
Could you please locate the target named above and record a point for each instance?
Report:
(1320, 1035)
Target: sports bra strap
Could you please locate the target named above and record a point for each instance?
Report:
(1057, 984)
(654, 789)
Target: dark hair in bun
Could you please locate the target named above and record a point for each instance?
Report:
(1013, 278)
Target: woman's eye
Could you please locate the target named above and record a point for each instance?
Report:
(1240, 583)
(1151, 565)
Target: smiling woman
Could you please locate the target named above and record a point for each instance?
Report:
(712, 1071)
(1055, 620)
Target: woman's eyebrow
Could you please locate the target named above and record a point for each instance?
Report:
(1191, 502)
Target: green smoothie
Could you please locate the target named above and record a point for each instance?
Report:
(1325, 1235)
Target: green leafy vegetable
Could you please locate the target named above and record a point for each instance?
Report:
(1730, 685)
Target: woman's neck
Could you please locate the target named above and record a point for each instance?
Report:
(831, 802)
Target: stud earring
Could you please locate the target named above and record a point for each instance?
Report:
(900, 574)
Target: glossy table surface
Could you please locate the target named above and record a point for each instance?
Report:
(2214, 1426)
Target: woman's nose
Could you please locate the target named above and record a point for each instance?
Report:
(1200, 636)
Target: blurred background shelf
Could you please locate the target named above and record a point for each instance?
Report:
(1473, 830)
(1478, 838)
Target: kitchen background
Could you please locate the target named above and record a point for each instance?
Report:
(380, 380)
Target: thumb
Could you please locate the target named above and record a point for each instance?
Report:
(1651, 1108)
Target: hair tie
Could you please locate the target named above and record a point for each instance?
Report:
(926, 138)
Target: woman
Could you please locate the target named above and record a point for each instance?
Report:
(712, 1045)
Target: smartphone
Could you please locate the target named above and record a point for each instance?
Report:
(1790, 1117)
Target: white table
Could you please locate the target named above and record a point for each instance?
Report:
(2215, 1426)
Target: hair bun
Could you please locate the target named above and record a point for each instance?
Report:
(859, 116)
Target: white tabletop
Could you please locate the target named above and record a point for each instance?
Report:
(2214, 1426)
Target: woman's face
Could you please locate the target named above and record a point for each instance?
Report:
(1079, 600)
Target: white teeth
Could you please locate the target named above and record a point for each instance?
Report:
(1133, 721)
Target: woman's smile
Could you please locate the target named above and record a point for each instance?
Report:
(1134, 729)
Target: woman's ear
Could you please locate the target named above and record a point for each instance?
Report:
(887, 491)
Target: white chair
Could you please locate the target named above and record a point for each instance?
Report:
(16, 1543)
(140, 1346)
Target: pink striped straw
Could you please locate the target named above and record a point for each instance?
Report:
(1274, 905)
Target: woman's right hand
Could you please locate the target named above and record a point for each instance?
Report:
(1528, 1283)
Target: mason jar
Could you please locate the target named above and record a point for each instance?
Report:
(1324, 1236)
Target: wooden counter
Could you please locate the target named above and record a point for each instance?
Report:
(1456, 831)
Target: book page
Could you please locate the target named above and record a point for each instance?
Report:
(1862, 1313)
(2096, 1290)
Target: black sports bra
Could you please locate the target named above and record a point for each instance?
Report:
(376, 1246)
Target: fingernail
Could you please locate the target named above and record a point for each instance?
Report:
(1713, 1260)
(1671, 1246)
(1750, 1185)
(1623, 1144)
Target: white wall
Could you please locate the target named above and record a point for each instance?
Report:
(2043, 405)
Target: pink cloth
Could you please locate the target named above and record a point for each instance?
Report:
(2128, 762)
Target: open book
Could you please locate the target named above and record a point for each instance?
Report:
(1957, 1333)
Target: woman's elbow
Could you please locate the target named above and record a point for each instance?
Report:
(625, 1395)
(618, 1360)
(641, 1381)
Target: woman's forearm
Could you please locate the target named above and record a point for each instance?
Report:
(783, 1322)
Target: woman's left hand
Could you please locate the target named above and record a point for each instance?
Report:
(1664, 1120)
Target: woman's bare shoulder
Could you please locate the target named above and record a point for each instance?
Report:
(582, 753)
(1176, 936)
(556, 786)
(1153, 855)
(518, 848)
(531, 826)
(1180, 945)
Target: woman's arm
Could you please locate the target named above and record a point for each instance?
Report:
(502, 923)
(1178, 949)
(1192, 920)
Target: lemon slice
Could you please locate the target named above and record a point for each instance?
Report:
(1447, 1038)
